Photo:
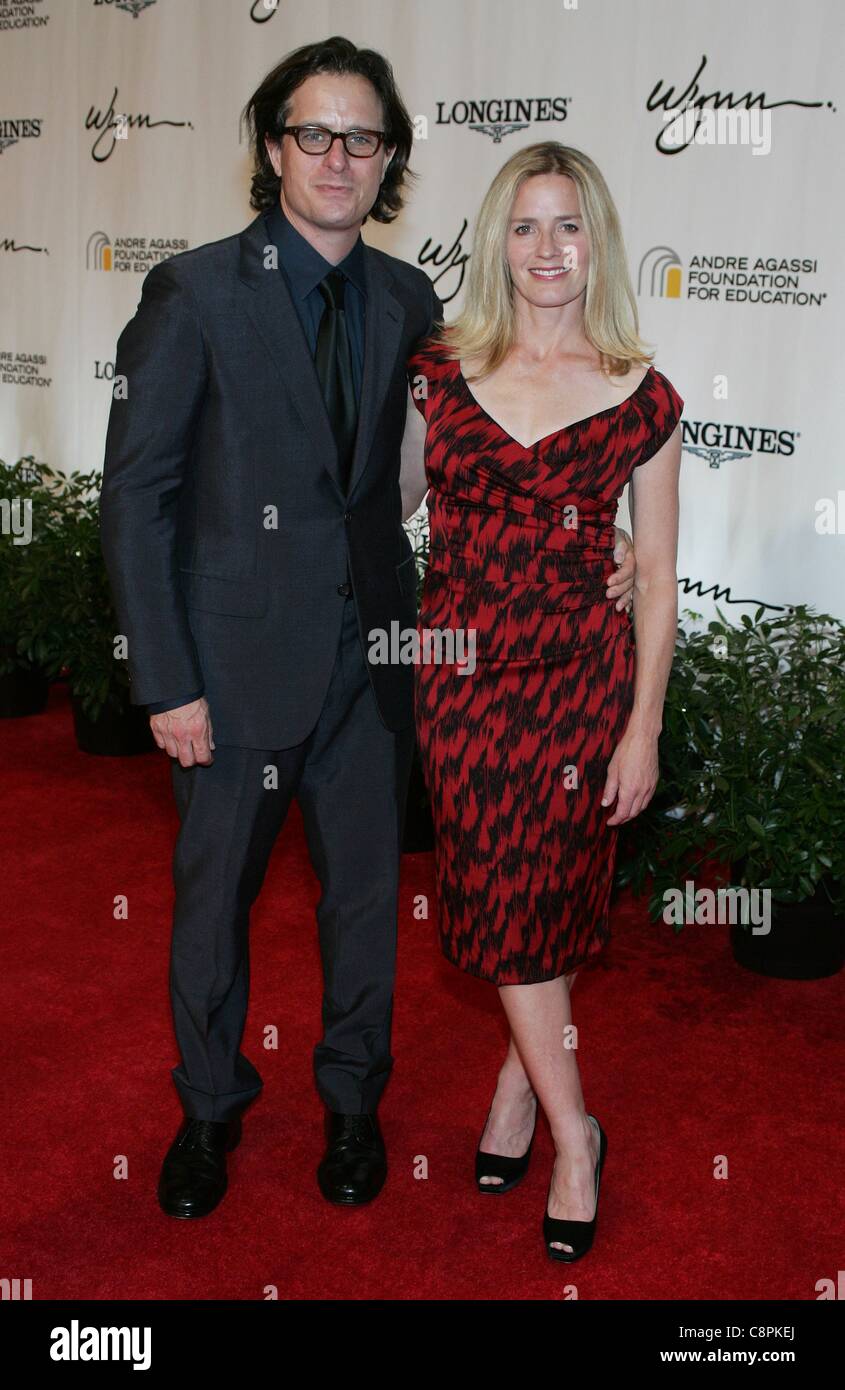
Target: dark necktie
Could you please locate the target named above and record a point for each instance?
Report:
(333, 360)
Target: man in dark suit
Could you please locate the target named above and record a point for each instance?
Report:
(252, 529)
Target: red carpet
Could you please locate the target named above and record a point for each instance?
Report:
(683, 1055)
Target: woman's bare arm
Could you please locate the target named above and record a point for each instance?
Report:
(655, 491)
(412, 479)
(633, 769)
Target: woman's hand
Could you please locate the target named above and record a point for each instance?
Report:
(632, 775)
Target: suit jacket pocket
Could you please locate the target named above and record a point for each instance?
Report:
(242, 598)
(406, 575)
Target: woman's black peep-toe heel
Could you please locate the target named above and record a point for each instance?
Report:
(510, 1170)
(578, 1234)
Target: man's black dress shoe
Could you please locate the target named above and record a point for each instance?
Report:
(193, 1176)
(354, 1166)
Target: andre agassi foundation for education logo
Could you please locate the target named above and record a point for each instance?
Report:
(130, 253)
(730, 279)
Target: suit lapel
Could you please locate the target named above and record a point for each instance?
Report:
(383, 324)
(272, 311)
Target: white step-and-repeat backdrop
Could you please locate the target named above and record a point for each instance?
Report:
(733, 214)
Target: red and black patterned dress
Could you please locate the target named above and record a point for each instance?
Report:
(516, 750)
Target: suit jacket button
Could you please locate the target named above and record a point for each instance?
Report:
(344, 589)
(347, 516)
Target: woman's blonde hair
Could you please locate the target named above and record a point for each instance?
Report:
(486, 325)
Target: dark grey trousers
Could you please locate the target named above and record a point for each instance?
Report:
(350, 777)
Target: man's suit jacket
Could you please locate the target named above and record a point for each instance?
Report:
(224, 526)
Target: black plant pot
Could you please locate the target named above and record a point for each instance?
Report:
(117, 733)
(419, 830)
(806, 941)
(23, 692)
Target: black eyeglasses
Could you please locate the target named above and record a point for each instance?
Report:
(317, 139)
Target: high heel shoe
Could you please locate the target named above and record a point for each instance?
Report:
(578, 1234)
(510, 1170)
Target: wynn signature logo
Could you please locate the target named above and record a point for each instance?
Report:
(8, 243)
(721, 593)
(679, 134)
(450, 262)
(262, 10)
(113, 126)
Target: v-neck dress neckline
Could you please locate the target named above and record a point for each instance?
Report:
(553, 434)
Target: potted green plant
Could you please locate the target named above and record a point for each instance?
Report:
(419, 830)
(752, 759)
(26, 503)
(70, 623)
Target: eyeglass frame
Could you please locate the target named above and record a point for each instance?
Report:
(335, 135)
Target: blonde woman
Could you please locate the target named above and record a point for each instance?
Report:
(539, 404)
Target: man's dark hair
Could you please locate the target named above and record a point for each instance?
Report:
(269, 107)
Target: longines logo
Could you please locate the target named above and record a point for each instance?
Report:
(15, 128)
(691, 98)
(130, 253)
(499, 116)
(114, 126)
(133, 7)
(8, 243)
(717, 442)
(716, 277)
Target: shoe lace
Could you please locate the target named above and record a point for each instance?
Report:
(358, 1129)
(198, 1135)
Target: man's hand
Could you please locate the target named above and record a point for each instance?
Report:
(185, 733)
(621, 584)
